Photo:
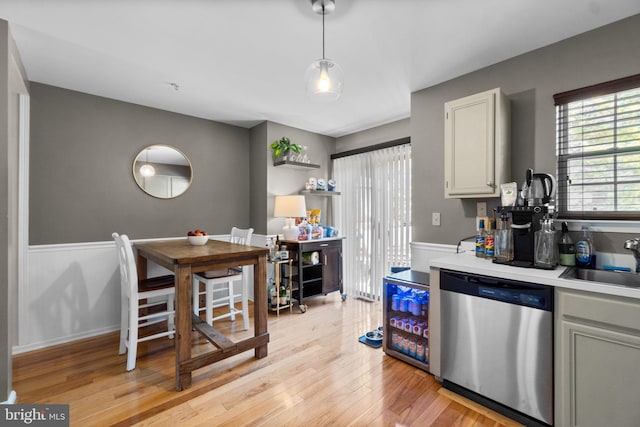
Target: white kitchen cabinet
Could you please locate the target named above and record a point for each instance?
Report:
(597, 360)
(477, 145)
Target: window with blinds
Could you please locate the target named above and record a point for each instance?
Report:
(374, 214)
(598, 149)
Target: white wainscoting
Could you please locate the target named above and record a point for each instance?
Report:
(72, 291)
(422, 253)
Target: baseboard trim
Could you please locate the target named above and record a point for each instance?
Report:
(18, 349)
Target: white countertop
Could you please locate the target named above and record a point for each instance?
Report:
(467, 262)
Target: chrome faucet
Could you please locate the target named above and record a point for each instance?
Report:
(634, 245)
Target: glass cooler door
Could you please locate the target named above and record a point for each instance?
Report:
(406, 317)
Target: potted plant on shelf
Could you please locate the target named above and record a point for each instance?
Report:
(283, 147)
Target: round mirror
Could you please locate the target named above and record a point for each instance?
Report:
(162, 171)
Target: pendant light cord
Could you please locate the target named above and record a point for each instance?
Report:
(323, 31)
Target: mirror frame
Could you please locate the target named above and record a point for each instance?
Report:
(141, 185)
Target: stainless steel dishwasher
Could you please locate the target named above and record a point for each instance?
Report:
(497, 344)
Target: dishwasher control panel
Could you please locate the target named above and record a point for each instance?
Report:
(513, 296)
(505, 290)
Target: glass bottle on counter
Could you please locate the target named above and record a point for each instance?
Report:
(504, 239)
(489, 241)
(545, 245)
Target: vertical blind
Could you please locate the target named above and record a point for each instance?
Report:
(598, 148)
(374, 214)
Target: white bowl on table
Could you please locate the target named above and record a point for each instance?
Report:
(198, 240)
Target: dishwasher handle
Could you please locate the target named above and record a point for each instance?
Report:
(483, 281)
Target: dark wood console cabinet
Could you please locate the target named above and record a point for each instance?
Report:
(311, 278)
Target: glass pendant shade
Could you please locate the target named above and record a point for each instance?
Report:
(324, 80)
(147, 170)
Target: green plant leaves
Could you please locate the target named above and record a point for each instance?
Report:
(283, 145)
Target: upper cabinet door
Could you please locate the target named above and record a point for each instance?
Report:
(476, 152)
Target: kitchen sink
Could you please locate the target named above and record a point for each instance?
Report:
(621, 278)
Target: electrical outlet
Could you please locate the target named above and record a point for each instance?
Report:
(481, 209)
(435, 219)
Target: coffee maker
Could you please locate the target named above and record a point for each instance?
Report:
(534, 202)
(525, 221)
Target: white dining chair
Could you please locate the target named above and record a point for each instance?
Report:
(141, 295)
(223, 282)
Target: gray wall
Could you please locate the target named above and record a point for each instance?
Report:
(13, 82)
(259, 157)
(268, 181)
(529, 80)
(283, 180)
(81, 183)
(377, 135)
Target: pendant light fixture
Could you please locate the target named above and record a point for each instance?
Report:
(147, 170)
(324, 78)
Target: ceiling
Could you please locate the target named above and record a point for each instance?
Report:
(243, 61)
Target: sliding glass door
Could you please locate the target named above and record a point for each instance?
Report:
(374, 214)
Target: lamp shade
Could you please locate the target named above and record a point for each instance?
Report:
(289, 207)
(147, 170)
(324, 80)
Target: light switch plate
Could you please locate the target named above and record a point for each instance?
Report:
(481, 209)
(435, 218)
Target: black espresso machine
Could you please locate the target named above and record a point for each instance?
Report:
(525, 221)
(535, 202)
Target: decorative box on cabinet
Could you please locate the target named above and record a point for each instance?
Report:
(476, 145)
(321, 278)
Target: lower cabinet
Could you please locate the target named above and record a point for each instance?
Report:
(597, 360)
(317, 267)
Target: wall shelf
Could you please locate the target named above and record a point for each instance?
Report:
(319, 193)
(295, 165)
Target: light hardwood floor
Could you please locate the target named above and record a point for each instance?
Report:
(316, 374)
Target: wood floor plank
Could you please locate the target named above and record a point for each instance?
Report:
(499, 418)
(316, 374)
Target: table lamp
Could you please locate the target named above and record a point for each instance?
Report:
(290, 207)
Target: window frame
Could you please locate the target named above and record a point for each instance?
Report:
(564, 98)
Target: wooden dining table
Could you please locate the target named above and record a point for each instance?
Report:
(185, 259)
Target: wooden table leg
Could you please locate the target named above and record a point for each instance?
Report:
(141, 267)
(260, 302)
(183, 324)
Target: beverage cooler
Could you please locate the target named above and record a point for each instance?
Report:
(406, 317)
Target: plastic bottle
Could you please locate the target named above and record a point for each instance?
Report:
(566, 247)
(480, 240)
(585, 255)
(489, 242)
